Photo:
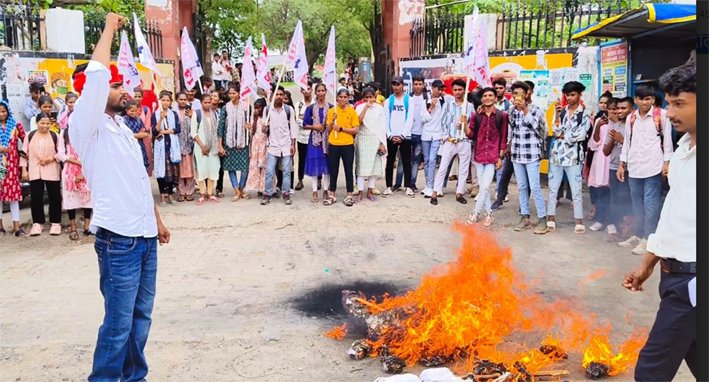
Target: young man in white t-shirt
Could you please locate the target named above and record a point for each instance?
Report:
(399, 119)
(419, 98)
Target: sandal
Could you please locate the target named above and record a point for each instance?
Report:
(372, 198)
(87, 232)
(74, 235)
(579, 229)
(330, 200)
(201, 201)
(214, 199)
(235, 198)
(551, 226)
(349, 202)
(181, 198)
(20, 233)
(315, 197)
(189, 198)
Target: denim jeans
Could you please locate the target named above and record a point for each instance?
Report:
(416, 151)
(504, 175)
(128, 268)
(527, 175)
(485, 174)
(235, 181)
(556, 175)
(430, 152)
(620, 202)
(646, 194)
(271, 164)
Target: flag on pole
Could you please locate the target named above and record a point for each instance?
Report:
(329, 72)
(144, 53)
(248, 77)
(469, 52)
(263, 73)
(481, 64)
(126, 64)
(296, 59)
(191, 69)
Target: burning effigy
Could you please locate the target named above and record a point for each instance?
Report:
(477, 314)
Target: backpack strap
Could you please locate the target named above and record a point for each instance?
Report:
(199, 117)
(657, 118)
(52, 134)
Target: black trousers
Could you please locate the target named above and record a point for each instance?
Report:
(404, 150)
(220, 180)
(87, 213)
(54, 192)
(674, 334)
(346, 153)
(165, 187)
(302, 152)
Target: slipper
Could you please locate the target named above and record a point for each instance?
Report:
(73, 235)
(246, 196)
(349, 202)
(235, 198)
(551, 226)
(314, 198)
(579, 228)
(20, 233)
(181, 198)
(189, 198)
(372, 198)
(201, 201)
(87, 232)
(214, 199)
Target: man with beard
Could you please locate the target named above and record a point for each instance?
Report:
(126, 223)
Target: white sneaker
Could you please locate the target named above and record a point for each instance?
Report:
(595, 227)
(507, 198)
(630, 243)
(641, 248)
(427, 192)
(387, 192)
(410, 193)
(611, 230)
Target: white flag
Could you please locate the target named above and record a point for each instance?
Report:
(469, 52)
(263, 73)
(329, 72)
(296, 59)
(248, 77)
(191, 69)
(144, 54)
(482, 66)
(126, 65)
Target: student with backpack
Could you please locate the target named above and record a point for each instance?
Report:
(646, 153)
(40, 164)
(399, 120)
(567, 153)
(488, 131)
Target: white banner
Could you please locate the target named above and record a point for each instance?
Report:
(126, 65)
(191, 69)
(329, 72)
(248, 77)
(144, 53)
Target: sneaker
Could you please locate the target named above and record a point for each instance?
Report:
(36, 229)
(266, 199)
(523, 224)
(375, 191)
(487, 220)
(507, 198)
(387, 192)
(496, 206)
(396, 188)
(632, 242)
(596, 226)
(287, 200)
(427, 192)
(541, 227)
(641, 248)
(474, 191)
(410, 193)
(611, 230)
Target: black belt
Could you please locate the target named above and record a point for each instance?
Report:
(676, 266)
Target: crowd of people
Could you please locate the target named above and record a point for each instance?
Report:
(189, 142)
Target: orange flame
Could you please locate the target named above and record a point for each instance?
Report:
(477, 308)
(337, 333)
(600, 350)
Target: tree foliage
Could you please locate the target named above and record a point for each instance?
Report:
(233, 21)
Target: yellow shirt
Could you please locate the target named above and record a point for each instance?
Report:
(346, 118)
(380, 99)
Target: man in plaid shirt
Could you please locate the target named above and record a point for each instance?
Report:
(526, 134)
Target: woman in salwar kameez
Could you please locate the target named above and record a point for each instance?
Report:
(258, 155)
(234, 142)
(11, 133)
(370, 144)
(185, 179)
(316, 157)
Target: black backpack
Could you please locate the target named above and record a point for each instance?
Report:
(479, 119)
(55, 139)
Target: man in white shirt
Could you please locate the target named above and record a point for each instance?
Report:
(303, 134)
(433, 131)
(282, 133)
(398, 115)
(646, 154)
(126, 222)
(674, 244)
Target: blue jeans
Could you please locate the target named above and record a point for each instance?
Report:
(235, 181)
(430, 152)
(647, 203)
(556, 175)
(527, 175)
(504, 175)
(416, 151)
(128, 268)
(602, 197)
(620, 203)
(485, 174)
(271, 164)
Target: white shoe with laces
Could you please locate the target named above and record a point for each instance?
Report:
(611, 230)
(641, 248)
(410, 193)
(630, 243)
(387, 192)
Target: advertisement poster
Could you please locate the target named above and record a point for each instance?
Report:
(614, 68)
(541, 81)
(40, 76)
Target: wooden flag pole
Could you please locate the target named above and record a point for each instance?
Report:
(273, 93)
